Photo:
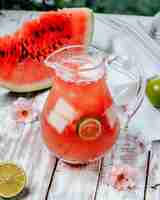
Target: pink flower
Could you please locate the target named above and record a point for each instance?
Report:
(123, 177)
(24, 111)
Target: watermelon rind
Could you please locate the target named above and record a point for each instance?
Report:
(24, 88)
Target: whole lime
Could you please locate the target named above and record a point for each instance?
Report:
(153, 91)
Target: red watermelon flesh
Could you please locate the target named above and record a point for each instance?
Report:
(27, 76)
(55, 29)
(21, 58)
(10, 49)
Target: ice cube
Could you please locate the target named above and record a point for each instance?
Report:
(62, 114)
(65, 109)
(57, 121)
(124, 93)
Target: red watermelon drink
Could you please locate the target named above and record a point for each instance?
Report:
(79, 121)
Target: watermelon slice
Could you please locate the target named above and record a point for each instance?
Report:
(27, 76)
(22, 68)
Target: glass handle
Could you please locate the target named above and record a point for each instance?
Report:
(127, 84)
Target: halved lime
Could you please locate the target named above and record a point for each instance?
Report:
(12, 180)
(153, 92)
(89, 129)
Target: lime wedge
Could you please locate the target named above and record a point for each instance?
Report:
(89, 129)
(153, 92)
(12, 180)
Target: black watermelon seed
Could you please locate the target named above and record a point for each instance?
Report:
(51, 28)
(68, 37)
(54, 46)
(38, 54)
(24, 53)
(2, 53)
(32, 56)
(59, 43)
(36, 34)
(59, 28)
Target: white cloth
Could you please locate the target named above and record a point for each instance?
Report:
(131, 40)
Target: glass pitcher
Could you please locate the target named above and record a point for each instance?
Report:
(82, 116)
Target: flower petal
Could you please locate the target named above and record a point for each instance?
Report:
(24, 111)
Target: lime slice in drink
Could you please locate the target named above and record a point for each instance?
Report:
(89, 129)
(12, 180)
(153, 92)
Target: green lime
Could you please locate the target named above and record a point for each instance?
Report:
(89, 129)
(153, 92)
(12, 180)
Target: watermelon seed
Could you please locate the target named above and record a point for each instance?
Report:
(68, 37)
(54, 46)
(59, 28)
(36, 34)
(51, 28)
(2, 53)
(59, 43)
(24, 53)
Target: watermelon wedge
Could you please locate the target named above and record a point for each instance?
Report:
(22, 68)
(27, 76)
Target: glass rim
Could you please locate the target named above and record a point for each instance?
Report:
(103, 59)
(68, 47)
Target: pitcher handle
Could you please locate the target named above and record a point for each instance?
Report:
(135, 72)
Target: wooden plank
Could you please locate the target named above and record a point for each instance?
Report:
(125, 152)
(153, 189)
(72, 183)
(24, 146)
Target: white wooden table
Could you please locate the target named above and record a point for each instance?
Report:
(49, 178)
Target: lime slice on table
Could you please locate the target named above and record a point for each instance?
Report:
(153, 92)
(12, 180)
(89, 129)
